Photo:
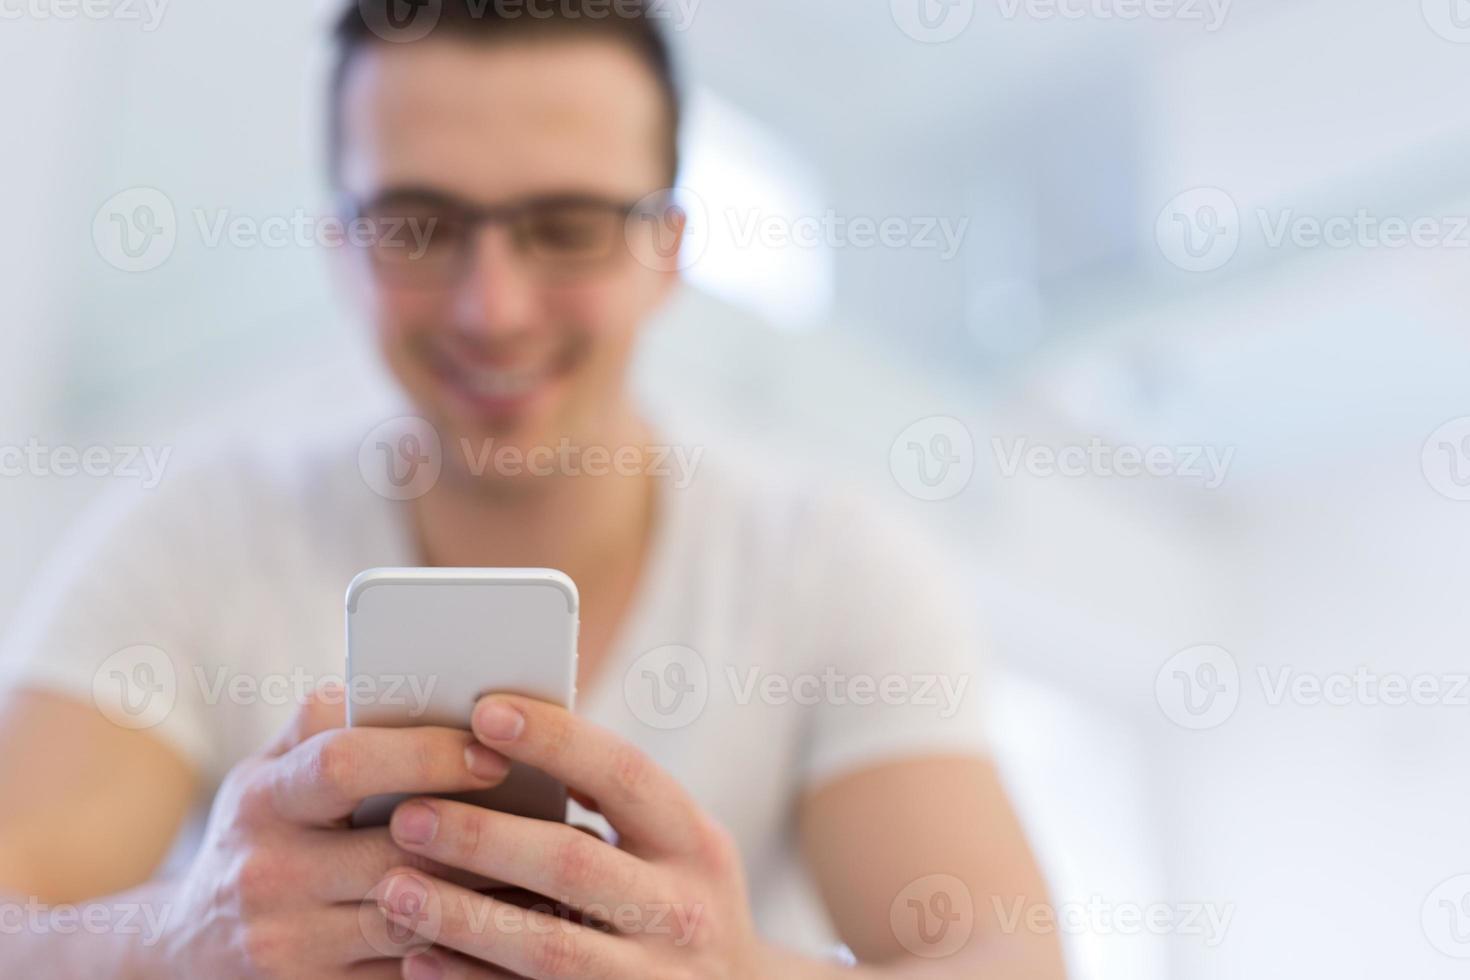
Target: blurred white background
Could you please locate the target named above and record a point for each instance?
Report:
(1086, 301)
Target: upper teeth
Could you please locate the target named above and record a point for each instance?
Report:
(501, 384)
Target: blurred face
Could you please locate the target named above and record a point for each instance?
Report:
(511, 279)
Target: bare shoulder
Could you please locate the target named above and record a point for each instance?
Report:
(91, 806)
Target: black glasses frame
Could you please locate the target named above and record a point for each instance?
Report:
(474, 217)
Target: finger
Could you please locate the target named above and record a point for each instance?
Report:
(550, 859)
(341, 864)
(325, 708)
(583, 800)
(324, 779)
(327, 939)
(384, 969)
(592, 832)
(649, 809)
(443, 964)
(531, 942)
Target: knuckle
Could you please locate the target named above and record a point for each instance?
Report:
(265, 950)
(555, 734)
(465, 833)
(630, 770)
(253, 794)
(424, 760)
(258, 881)
(333, 763)
(573, 863)
(557, 954)
(715, 845)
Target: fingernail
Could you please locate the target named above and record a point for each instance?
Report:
(414, 823)
(485, 763)
(498, 721)
(405, 897)
(423, 966)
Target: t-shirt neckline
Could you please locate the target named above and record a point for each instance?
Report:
(648, 596)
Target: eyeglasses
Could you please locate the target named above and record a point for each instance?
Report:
(425, 238)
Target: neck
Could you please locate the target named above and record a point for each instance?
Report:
(590, 527)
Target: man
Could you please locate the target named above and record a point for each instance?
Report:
(748, 835)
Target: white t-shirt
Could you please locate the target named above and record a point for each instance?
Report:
(809, 636)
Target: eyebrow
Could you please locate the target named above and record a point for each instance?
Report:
(430, 196)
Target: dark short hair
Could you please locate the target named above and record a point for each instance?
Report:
(627, 22)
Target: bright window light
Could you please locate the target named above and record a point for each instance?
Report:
(762, 245)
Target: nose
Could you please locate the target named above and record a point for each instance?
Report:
(497, 296)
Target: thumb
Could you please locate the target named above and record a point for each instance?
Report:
(323, 710)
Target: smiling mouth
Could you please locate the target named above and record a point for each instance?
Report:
(496, 393)
(499, 383)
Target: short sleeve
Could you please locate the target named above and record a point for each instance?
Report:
(112, 619)
(896, 657)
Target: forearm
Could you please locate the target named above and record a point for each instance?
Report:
(1034, 960)
(114, 938)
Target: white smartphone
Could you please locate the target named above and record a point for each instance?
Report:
(424, 644)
